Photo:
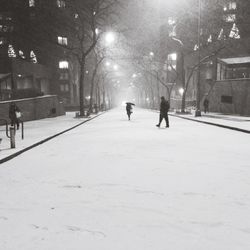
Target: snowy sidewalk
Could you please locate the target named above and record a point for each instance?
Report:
(36, 131)
(233, 121)
(114, 184)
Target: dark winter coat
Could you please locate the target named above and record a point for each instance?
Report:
(129, 107)
(164, 108)
(12, 111)
(206, 103)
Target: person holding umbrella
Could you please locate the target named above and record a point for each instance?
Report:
(129, 108)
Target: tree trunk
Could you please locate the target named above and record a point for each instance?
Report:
(81, 87)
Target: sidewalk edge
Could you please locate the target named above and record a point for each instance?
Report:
(12, 156)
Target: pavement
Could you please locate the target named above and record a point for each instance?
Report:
(39, 131)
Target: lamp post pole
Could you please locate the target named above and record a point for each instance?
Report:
(198, 94)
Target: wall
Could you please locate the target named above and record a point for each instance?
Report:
(239, 90)
(34, 108)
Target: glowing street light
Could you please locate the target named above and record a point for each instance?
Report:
(109, 38)
(107, 64)
(151, 54)
(115, 67)
(181, 91)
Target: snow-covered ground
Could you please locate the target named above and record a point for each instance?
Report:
(113, 184)
(241, 122)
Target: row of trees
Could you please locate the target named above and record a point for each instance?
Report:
(193, 28)
(84, 23)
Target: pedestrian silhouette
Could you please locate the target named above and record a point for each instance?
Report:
(129, 108)
(206, 105)
(14, 112)
(164, 108)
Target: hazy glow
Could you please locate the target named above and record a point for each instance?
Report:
(63, 64)
(109, 38)
(181, 91)
(115, 67)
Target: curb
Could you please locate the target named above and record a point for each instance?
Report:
(12, 156)
(213, 124)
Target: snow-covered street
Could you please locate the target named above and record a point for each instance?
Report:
(114, 184)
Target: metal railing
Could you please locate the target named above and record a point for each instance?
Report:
(11, 131)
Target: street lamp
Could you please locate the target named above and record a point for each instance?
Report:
(109, 38)
(198, 111)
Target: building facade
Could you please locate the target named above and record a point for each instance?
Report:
(34, 58)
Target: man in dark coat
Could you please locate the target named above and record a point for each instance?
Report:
(164, 108)
(206, 105)
(129, 108)
(12, 114)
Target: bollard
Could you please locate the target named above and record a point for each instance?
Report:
(12, 137)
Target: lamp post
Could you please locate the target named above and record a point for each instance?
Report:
(198, 94)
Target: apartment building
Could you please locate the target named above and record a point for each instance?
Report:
(34, 59)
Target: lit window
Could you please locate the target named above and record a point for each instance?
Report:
(32, 3)
(210, 39)
(221, 35)
(62, 40)
(2, 40)
(171, 21)
(33, 56)
(172, 61)
(232, 5)
(230, 18)
(63, 64)
(21, 54)
(234, 32)
(11, 51)
(61, 3)
(172, 57)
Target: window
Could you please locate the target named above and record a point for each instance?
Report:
(11, 51)
(61, 3)
(172, 61)
(229, 18)
(21, 54)
(63, 64)
(227, 99)
(62, 40)
(64, 76)
(64, 87)
(235, 34)
(232, 5)
(33, 56)
(171, 21)
(2, 41)
(6, 28)
(32, 3)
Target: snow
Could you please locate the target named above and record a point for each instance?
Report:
(118, 184)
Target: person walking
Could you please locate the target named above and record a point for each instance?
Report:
(164, 108)
(206, 105)
(13, 110)
(129, 108)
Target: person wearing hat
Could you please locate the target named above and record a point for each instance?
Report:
(164, 108)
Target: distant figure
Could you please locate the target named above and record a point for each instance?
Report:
(129, 109)
(164, 108)
(206, 105)
(13, 109)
